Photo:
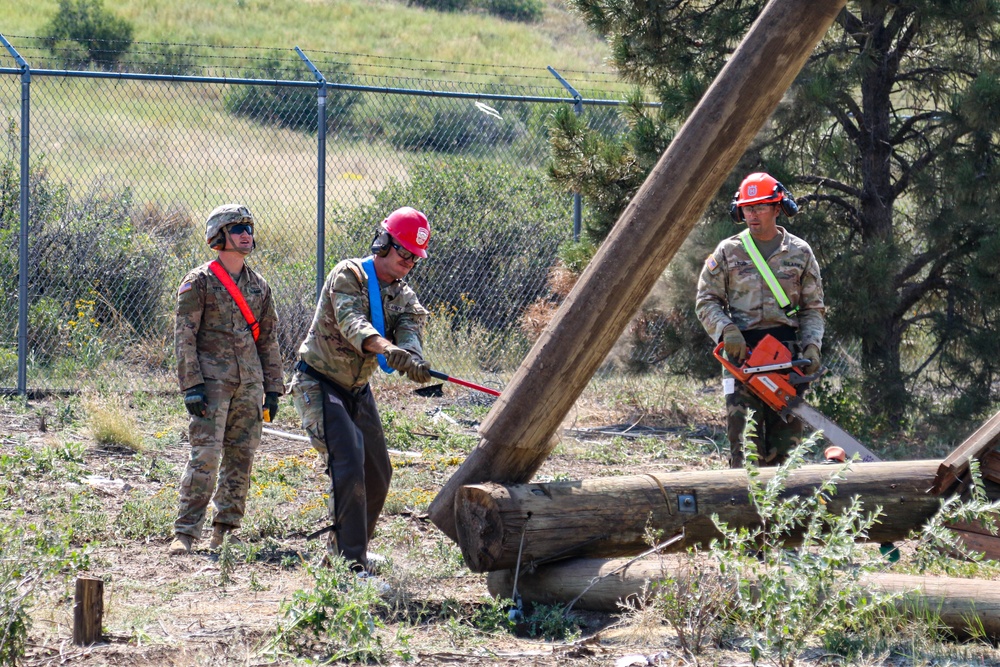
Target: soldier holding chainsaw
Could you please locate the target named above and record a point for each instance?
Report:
(761, 281)
(367, 317)
(229, 368)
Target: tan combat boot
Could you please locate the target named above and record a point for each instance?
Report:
(181, 544)
(219, 532)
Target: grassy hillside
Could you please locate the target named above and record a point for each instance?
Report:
(386, 28)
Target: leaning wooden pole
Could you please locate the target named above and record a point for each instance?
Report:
(612, 516)
(517, 435)
(964, 605)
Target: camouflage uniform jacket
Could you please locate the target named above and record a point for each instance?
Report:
(732, 291)
(343, 321)
(212, 339)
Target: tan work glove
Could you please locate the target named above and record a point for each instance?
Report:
(398, 358)
(735, 344)
(420, 371)
(812, 354)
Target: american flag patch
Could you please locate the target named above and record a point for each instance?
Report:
(711, 263)
(184, 288)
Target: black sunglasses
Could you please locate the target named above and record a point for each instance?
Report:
(404, 254)
(238, 229)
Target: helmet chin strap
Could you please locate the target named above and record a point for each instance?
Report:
(230, 246)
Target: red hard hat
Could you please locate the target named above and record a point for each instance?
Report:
(758, 188)
(410, 229)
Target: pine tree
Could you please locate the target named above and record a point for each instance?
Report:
(888, 138)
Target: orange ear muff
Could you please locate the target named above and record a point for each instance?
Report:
(219, 242)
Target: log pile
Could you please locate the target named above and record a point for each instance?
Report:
(962, 604)
(611, 516)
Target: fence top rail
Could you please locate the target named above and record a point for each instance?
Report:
(181, 78)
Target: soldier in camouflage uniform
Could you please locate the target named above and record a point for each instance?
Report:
(230, 372)
(737, 308)
(330, 387)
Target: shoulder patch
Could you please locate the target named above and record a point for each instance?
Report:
(711, 264)
(184, 288)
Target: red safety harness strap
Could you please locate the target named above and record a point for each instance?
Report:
(227, 281)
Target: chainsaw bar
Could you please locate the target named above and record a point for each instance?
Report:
(832, 433)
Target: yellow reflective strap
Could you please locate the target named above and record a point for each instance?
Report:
(765, 271)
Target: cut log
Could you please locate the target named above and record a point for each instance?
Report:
(88, 610)
(517, 434)
(611, 516)
(958, 602)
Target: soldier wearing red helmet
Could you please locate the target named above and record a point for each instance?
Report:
(367, 316)
(761, 281)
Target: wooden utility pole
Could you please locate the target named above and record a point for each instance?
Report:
(518, 434)
(961, 604)
(612, 516)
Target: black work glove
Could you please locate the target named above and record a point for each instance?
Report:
(398, 359)
(194, 401)
(271, 405)
(420, 372)
(735, 344)
(812, 354)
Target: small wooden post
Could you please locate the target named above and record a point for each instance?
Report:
(88, 610)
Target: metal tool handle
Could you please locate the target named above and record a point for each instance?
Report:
(471, 385)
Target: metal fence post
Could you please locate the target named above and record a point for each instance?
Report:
(577, 109)
(320, 174)
(22, 255)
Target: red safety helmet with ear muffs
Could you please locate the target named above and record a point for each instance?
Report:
(761, 188)
(410, 229)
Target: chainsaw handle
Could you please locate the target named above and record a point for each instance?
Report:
(728, 365)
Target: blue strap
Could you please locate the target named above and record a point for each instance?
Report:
(375, 302)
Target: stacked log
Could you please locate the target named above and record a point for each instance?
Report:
(613, 516)
(967, 606)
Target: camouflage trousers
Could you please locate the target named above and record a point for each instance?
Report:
(347, 432)
(223, 443)
(773, 437)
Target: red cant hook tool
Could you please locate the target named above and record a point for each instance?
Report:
(471, 385)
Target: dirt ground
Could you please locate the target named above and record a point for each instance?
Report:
(163, 610)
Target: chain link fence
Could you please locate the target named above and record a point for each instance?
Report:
(124, 167)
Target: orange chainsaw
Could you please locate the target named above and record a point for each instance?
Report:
(773, 376)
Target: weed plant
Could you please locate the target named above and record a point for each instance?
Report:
(338, 620)
(787, 598)
(113, 425)
(31, 556)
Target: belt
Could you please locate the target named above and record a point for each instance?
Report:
(319, 377)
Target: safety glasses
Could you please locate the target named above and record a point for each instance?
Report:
(238, 229)
(757, 209)
(404, 254)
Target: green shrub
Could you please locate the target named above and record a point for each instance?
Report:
(495, 233)
(336, 620)
(97, 280)
(442, 5)
(786, 598)
(289, 106)
(31, 555)
(444, 126)
(525, 11)
(82, 31)
(144, 516)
